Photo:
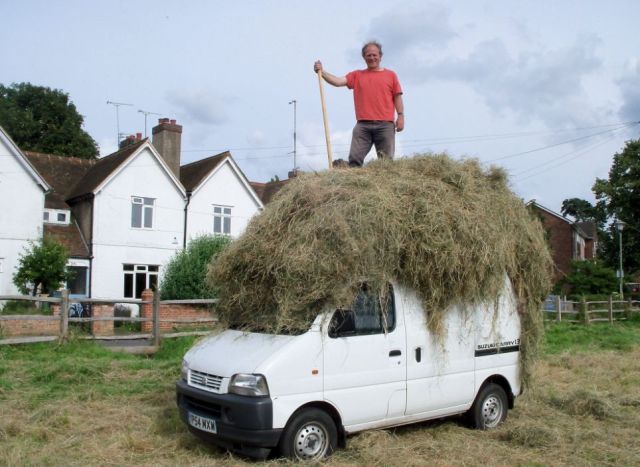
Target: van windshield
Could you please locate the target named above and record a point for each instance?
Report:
(291, 330)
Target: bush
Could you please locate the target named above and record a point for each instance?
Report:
(186, 272)
(588, 278)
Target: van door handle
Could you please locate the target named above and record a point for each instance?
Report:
(395, 353)
(418, 354)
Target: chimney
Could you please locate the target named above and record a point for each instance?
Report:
(166, 139)
(129, 140)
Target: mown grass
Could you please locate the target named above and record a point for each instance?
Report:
(82, 404)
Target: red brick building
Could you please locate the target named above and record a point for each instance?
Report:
(568, 240)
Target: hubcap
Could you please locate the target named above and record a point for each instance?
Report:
(311, 441)
(492, 411)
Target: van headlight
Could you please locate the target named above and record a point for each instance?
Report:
(184, 371)
(245, 384)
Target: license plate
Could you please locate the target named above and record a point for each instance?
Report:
(202, 423)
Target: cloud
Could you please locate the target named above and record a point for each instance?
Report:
(628, 85)
(541, 84)
(401, 32)
(200, 106)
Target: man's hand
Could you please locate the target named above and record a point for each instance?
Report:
(400, 123)
(317, 66)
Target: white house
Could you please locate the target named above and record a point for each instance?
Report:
(124, 216)
(130, 206)
(22, 193)
(220, 198)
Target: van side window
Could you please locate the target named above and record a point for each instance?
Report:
(369, 314)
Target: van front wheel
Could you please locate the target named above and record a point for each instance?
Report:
(490, 407)
(310, 435)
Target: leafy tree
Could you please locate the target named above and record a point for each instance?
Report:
(42, 266)
(588, 278)
(185, 275)
(583, 210)
(620, 195)
(43, 119)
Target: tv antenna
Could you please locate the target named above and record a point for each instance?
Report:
(117, 106)
(145, 119)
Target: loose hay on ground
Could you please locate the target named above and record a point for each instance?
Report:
(449, 229)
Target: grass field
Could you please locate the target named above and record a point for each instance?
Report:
(80, 404)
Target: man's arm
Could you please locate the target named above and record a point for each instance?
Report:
(328, 77)
(399, 105)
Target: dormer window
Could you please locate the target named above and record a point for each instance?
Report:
(56, 216)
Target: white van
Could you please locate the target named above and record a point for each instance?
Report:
(353, 370)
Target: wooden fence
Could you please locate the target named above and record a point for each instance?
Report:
(590, 312)
(150, 318)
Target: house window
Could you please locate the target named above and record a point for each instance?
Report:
(77, 285)
(138, 277)
(56, 216)
(222, 220)
(142, 212)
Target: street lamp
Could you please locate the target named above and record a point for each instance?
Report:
(620, 226)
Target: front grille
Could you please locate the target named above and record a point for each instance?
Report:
(205, 381)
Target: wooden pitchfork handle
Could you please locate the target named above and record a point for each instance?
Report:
(325, 120)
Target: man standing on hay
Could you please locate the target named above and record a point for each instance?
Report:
(377, 96)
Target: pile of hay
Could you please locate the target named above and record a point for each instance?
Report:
(447, 228)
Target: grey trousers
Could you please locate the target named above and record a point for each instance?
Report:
(368, 133)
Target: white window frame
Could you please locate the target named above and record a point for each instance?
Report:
(222, 219)
(133, 270)
(51, 216)
(146, 211)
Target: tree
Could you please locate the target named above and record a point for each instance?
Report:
(42, 266)
(582, 210)
(589, 277)
(620, 195)
(45, 120)
(185, 276)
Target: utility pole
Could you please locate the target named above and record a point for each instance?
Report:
(620, 226)
(117, 106)
(145, 119)
(295, 162)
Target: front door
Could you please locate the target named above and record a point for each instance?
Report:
(365, 360)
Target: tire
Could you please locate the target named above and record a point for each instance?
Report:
(490, 407)
(310, 435)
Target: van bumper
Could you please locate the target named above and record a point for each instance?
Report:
(243, 424)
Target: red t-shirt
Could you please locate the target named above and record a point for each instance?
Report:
(373, 93)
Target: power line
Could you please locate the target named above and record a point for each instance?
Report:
(549, 146)
(442, 140)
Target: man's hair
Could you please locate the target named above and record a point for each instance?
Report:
(374, 43)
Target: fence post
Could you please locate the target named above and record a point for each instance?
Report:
(585, 311)
(558, 308)
(629, 308)
(64, 315)
(156, 318)
(611, 309)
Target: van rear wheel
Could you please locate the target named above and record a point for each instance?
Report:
(310, 435)
(490, 407)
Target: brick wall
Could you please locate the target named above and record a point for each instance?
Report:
(172, 312)
(34, 325)
(30, 325)
(560, 234)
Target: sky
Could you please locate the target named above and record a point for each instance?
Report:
(546, 89)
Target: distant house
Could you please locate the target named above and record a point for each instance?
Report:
(569, 240)
(217, 178)
(123, 217)
(22, 194)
